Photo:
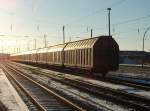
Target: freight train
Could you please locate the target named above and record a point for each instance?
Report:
(4, 57)
(96, 55)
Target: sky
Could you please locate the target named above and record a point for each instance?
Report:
(24, 22)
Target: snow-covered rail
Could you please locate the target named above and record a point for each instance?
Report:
(43, 98)
(115, 95)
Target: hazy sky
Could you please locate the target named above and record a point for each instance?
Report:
(34, 18)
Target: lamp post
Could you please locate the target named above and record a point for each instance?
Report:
(28, 43)
(45, 40)
(91, 33)
(63, 34)
(109, 9)
(148, 28)
(34, 43)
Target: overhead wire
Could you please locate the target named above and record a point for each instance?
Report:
(98, 11)
(95, 12)
(132, 20)
(39, 21)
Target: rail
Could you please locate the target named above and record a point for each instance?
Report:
(122, 97)
(40, 106)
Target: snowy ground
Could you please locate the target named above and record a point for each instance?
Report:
(8, 95)
(146, 94)
(123, 70)
(79, 95)
(133, 71)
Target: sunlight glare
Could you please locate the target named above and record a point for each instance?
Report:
(8, 4)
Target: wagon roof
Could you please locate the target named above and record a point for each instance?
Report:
(56, 48)
(24, 53)
(81, 44)
(87, 43)
(31, 52)
(42, 50)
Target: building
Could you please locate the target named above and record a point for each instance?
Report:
(134, 57)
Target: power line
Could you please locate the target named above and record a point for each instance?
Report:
(75, 35)
(117, 3)
(37, 20)
(97, 11)
(132, 20)
(120, 23)
(131, 30)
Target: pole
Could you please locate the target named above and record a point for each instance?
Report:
(70, 39)
(45, 41)
(109, 9)
(148, 28)
(91, 33)
(63, 34)
(28, 45)
(143, 51)
(35, 43)
(16, 46)
(14, 50)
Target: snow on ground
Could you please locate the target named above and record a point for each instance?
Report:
(8, 95)
(140, 92)
(132, 71)
(107, 84)
(84, 97)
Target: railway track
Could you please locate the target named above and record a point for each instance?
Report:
(129, 81)
(119, 97)
(133, 65)
(79, 103)
(42, 98)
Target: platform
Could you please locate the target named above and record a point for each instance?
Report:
(8, 95)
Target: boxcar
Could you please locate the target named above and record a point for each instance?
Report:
(79, 53)
(33, 56)
(105, 54)
(98, 55)
(17, 57)
(41, 56)
(55, 54)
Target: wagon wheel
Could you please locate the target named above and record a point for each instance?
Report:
(104, 74)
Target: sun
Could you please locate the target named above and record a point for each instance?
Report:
(9, 4)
